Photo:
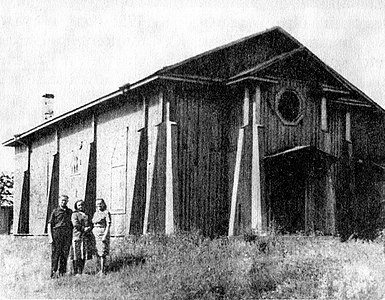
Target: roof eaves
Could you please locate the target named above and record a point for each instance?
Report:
(345, 82)
(51, 122)
(339, 77)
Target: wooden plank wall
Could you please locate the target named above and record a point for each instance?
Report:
(75, 140)
(204, 203)
(279, 137)
(43, 150)
(121, 140)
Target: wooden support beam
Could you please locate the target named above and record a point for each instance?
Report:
(238, 160)
(234, 193)
(169, 218)
(348, 126)
(152, 138)
(246, 107)
(256, 209)
(324, 115)
(332, 89)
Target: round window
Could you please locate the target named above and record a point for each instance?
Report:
(289, 106)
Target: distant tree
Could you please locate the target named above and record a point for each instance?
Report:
(6, 189)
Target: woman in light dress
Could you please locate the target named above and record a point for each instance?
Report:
(101, 230)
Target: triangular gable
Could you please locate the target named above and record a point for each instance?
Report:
(233, 58)
(301, 63)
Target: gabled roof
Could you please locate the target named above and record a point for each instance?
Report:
(267, 52)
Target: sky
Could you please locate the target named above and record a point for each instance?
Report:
(82, 50)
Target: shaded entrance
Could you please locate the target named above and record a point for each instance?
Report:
(300, 188)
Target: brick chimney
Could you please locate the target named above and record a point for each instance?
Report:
(47, 109)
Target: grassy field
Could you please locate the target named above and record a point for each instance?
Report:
(187, 266)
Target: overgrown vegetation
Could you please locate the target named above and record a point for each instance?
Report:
(188, 266)
(6, 189)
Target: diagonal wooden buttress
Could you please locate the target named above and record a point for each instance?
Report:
(160, 164)
(251, 120)
(151, 148)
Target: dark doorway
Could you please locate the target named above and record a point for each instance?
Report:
(300, 192)
(286, 179)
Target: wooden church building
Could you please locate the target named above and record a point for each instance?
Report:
(256, 134)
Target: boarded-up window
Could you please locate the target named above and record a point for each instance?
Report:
(118, 175)
(118, 190)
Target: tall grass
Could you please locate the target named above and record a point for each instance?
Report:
(188, 266)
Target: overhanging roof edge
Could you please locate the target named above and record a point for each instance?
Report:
(16, 138)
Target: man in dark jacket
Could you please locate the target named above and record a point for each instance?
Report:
(60, 236)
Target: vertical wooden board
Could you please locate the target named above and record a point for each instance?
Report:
(263, 182)
(184, 169)
(175, 175)
(180, 150)
(193, 147)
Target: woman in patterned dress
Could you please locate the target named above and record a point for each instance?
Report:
(102, 223)
(81, 238)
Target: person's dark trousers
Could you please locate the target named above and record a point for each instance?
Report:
(61, 244)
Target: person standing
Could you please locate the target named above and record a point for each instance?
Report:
(101, 230)
(60, 236)
(81, 238)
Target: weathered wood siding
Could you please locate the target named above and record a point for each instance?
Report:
(74, 147)
(276, 137)
(118, 135)
(204, 202)
(43, 150)
(368, 135)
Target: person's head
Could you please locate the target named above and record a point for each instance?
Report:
(79, 205)
(100, 204)
(63, 200)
